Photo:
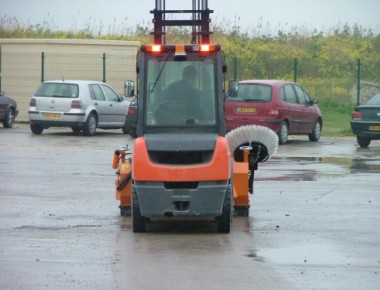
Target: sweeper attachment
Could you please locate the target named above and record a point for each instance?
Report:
(249, 145)
(122, 163)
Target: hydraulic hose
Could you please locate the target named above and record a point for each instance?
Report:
(124, 182)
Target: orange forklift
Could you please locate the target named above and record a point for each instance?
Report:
(184, 166)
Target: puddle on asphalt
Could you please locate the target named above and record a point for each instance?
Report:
(310, 253)
(314, 168)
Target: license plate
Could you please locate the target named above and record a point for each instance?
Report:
(52, 115)
(246, 109)
(374, 128)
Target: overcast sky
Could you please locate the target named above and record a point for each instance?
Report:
(115, 14)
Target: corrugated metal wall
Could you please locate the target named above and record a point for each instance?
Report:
(25, 62)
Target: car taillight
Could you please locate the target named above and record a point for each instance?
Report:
(273, 112)
(32, 103)
(132, 112)
(75, 105)
(357, 115)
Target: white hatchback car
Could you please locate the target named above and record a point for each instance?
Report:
(81, 105)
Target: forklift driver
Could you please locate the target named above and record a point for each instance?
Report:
(185, 92)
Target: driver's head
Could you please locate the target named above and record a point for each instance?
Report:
(189, 74)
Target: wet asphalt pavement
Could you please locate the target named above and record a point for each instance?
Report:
(314, 221)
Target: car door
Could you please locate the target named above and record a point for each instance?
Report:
(294, 111)
(309, 116)
(117, 107)
(100, 103)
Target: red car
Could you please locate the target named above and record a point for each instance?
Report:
(282, 106)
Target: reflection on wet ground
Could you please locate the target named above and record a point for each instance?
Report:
(323, 222)
(315, 168)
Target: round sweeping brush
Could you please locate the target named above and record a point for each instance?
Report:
(264, 139)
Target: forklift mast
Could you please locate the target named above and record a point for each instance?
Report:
(164, 106)
(200, 21)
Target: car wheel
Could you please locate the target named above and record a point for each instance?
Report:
(9, 118)
(316, 134)
(125, 128)
(363, 142)
(283, 133)
(133, 132)
(76, 129)
(36, 129)
(89, 127)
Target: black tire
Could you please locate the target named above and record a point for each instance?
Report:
(36, 129)
(9, 118)
(224, 221)
(138, 221)
(133, 132)
(363, 141)
(283, 133)
(316, 134)
(125, 211)
(241, 211)
(125, 128)
(89, 127)
(76, 129)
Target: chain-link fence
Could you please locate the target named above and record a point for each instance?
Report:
(339, 83)
(22, 71)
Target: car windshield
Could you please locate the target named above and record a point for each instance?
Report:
(375, 100)
(180, 93)
(57, 90)
(252, 93)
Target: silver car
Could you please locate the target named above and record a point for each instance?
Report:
(81, 105)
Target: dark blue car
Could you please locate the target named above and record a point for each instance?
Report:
(8, 110)
(365, 122)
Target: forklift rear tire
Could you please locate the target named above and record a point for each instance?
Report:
(138, 221)
(224, 221)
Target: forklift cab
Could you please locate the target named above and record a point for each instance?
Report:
(180, 89)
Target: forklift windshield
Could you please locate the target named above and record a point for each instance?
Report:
(180, 93)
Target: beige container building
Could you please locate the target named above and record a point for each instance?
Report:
(24, 63)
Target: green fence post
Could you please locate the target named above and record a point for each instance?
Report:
(42, 67)
(358, 85)
(104, 67)
(295, 69)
